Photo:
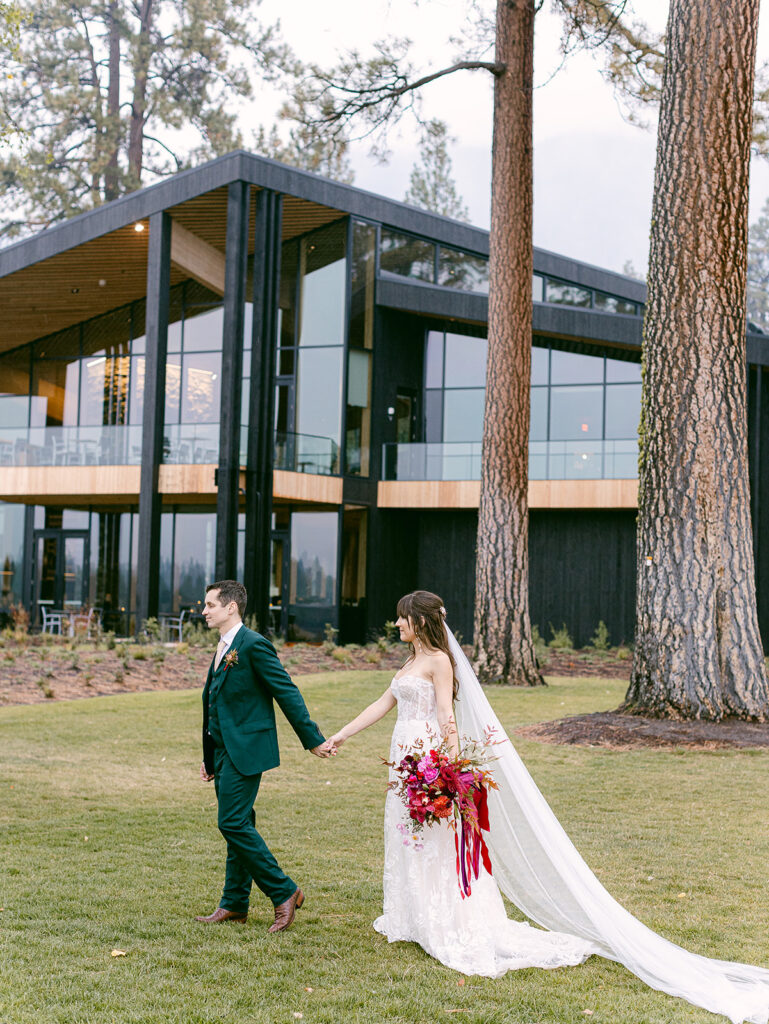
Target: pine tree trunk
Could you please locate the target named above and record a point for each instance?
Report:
(141, 62)
(698, 650)
(503, 648)
(112, 171)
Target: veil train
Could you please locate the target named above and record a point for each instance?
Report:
(538, 868)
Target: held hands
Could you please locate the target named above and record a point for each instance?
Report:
(324, 750)
(329, 748)
(203, 773)
(336, 741)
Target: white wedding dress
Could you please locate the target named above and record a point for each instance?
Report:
(538, 868)
(422, 902)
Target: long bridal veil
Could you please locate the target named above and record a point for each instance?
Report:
(538, 868)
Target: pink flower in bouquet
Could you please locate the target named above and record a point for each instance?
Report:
(430, 774)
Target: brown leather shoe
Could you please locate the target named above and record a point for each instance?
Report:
(220, 915)
(284, 912)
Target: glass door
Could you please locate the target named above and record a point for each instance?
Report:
(61, 570)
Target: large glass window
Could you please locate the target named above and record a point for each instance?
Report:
(576, 413)
(201, 382)
(434, 360)
(319, 408)
(538, 422)
(406, 256)
(194, 557)
(583, 407)
(465, 361)
(11, 554)
(310, 378)
(361, 343)
(620, 371)
(323, 285)
(567, 294)
(575, 368)
(463, 270)
(312, 583)
(614, 304)
(463, 414)
(623, 406)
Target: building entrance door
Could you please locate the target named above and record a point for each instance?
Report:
(61, 570)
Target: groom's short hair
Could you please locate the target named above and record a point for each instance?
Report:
(231, 590)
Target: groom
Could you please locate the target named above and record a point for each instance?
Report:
(240, 741)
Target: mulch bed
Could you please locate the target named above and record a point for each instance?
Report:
(605, 665)
(32, 672)
(616, 731)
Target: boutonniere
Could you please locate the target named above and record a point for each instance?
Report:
(230, 658)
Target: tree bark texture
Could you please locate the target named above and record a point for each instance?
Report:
(503, 648)
(698, 650)
(139, 102)
(112, 171)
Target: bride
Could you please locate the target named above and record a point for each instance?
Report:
(534, 863)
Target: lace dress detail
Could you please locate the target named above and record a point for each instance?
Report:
(422, 902)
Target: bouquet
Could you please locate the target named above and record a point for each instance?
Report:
(435, 787)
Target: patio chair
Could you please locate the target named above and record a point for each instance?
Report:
(52, 620)
(173, 623)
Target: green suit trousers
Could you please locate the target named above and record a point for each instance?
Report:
(248, 856)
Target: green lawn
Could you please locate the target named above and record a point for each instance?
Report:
(108, 841)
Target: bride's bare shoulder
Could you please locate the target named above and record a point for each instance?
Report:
(440, 662)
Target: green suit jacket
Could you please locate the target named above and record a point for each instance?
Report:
(245, 691)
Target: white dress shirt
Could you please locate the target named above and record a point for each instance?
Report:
(229, 636)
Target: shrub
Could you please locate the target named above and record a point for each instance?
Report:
(140, 654)
(341, 655)
(540, 647)
(19, 617)
(45, 688)
(330, 633)
(623, 653)
(150, 631)
(251, 622)
(600, 640)
(196, 635)
(561, 638)
(391, 632)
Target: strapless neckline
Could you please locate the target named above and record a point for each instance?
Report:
(411, 675)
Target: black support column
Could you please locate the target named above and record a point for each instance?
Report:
(267, 243)
(228, 474)
(158, 284)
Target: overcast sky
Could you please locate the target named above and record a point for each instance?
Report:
(593, 173)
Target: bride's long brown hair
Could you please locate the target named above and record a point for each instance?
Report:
(426, 613)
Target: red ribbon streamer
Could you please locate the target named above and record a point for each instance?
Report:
(471, 848)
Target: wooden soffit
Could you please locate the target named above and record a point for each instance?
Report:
(109, 271)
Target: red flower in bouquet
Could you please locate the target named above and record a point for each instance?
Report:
(443, 807)
(436, 787)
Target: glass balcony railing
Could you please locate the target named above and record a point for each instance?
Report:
(105, 445)
(71, 446)
(306, 453)
(191, 443)
(548, 460)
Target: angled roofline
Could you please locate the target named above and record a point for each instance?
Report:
(265, 173)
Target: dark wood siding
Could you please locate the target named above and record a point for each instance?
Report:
(582, 564)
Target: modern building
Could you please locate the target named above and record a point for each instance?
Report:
(247, 370)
